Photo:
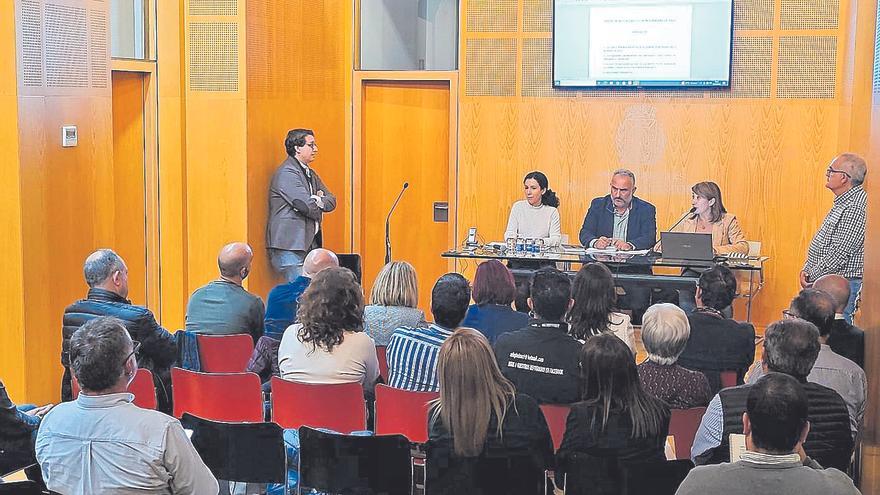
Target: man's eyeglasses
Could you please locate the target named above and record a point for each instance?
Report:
(313, 146)
(135, 347)
(788, 314)
(830, 171)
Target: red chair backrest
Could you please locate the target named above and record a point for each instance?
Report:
(235, 397)
(728, 378)
(403, 412)
(683, 427)
(225, 353)
(338, 407)
(556, 416)
(381, 354)
(142, 387)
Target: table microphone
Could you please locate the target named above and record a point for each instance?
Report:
(689, 212)
(387, 224)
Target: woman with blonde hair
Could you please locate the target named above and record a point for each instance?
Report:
(393, 302)
(478, 412)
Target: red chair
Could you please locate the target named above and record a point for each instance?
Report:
(234, 397)
(225, 353)
(683, 427)
(381, 354)
(556, 416)
(403, 412)
(338, 407)
(728, 378)
(142, 387)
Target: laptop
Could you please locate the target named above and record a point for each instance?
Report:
(687, 246)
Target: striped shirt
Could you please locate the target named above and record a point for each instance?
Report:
(412, 357)
(839, 245)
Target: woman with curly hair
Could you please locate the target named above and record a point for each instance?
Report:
(327, 344)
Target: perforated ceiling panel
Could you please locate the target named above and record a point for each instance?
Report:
(538, 16)
(98, 48)
(809, 14)
(537, 67)
(213, 7)
(753, 14)
(67, 61)
(31, 43)
(491, 67)
(751, 69)
(213, 56)
(491, 16)
(807, 67)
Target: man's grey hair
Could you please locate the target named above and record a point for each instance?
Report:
(100, 265)
(791, 346)
(665, 332)
(98, 352)
(855, 166)
(626, 172)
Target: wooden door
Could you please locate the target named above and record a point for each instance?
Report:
(129, 183)
(405, 138)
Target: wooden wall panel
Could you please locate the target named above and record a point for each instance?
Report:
(766, 141)
(298, 75)
(12, 343)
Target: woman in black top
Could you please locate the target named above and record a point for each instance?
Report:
(480, 419)
(617, 421)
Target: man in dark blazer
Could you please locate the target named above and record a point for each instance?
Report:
(297, 201)
(627, 223)
(845, 339)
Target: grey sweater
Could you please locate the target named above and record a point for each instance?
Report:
(749, 478)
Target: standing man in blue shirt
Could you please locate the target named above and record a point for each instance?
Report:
(625, 222)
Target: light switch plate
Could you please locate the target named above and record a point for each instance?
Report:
(69, 137)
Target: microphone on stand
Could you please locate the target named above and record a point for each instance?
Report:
(388, 223)
(689, 212)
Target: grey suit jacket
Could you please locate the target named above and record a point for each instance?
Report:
(293, 213)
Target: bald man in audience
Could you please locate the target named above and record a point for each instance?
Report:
(223, 306)
(845, 339)
(281, 305)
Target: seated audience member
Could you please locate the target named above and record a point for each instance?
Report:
(478, 413)
(107, 276)
(412, 351)
(665, 332)
(491, 312)
(282, 302)
(775, 425)
(328, 344)
(224, 307)
(394, 302)
(790, 347)
(18, 428)
(845, 339)
(281, 310)
(593, 310)
(617, 419)
(717, 343)
(542, 359)
(102, 442)
(831, 369)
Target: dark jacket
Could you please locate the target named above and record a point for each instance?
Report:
(158, 351)
(829, 442)
(524, 432)
(716, 345)
(584, 437)
(848, 341)
(493, 320)
(542, 361)
(17, 432)
(641, 229)
(293, 214)
(281, 306)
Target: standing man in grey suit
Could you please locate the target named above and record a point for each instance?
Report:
(297, 200)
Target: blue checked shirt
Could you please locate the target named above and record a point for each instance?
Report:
(839, 245)
(412, 357)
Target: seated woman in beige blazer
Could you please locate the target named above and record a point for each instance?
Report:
(710, 216)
